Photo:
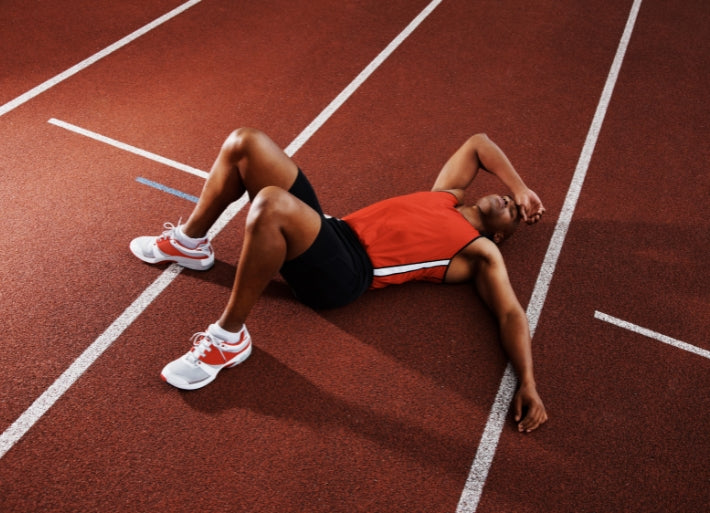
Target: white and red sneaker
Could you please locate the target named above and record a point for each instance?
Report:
(167, 248)
(209, 355)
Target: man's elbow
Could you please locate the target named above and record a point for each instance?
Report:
(476, 140)
(476, 145)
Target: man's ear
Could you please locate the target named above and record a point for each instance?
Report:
(498, 237)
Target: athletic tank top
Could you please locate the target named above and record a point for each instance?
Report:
(412, 237)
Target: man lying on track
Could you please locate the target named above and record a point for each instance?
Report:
(330, 262)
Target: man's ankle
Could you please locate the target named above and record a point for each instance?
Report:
(229, 333)
(187, 240)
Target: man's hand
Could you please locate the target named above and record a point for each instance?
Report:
(530, 206)
(527, 399)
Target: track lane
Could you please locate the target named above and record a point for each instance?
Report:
(478, 385)
(322, 415)
(29, 179)
(631, 409)
(89, 356)
(51, 49)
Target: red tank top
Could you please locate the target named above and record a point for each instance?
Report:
(412, 237)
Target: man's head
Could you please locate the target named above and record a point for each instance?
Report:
(499, 215)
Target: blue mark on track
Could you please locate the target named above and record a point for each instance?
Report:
(167, 189)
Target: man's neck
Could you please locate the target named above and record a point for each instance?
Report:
(472, 215)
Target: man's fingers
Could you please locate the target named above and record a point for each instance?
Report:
(528, 410)
(517, 408)
(533, 219)
(528, 424)
(537, 216)
(523, 209)
(534, 419)
(530, 213)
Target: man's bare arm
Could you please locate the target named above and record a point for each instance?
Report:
(477, 153)
(494, 287)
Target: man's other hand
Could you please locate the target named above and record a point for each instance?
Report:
(527, 400)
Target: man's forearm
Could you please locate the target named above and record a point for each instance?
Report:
(515, 338)
(492, 159)
(528, 410)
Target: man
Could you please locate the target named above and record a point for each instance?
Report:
(330, 262)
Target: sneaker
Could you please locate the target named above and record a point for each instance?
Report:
(166, 248)
(209, 355)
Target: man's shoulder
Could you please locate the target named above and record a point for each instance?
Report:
(482, 249)
(481, 253)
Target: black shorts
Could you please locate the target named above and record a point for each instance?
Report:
(335, 270)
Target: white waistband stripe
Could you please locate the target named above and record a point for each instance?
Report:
(401, 269)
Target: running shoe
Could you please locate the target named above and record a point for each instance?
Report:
(166, 248)
(209, 355)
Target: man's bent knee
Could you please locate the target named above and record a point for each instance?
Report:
(269, 202)
(276, 211)
(238, 142)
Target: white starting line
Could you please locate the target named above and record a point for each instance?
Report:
(127, 147)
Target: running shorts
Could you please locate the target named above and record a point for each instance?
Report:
(335, 270)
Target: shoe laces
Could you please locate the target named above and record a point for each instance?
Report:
(203, 342)
(169, 232)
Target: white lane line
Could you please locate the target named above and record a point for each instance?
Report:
(128, 147)
(478, 474)
(84, 361)
(45, 401)
(42, 404)
(358, 81)
(652, 334)
(94, 58)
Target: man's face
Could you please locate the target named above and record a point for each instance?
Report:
(499, 214)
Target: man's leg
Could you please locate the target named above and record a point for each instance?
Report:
(247, 162)
(279, 227)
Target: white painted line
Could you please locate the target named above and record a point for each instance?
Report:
(358, 81)
(128, 147)
(25, 422)
(94, 58)
(45, 401)
(84, 361)
(652, 334)
(494, 426)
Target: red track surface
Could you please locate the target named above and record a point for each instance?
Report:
(379, 406)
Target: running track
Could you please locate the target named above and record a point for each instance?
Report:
(396, 403)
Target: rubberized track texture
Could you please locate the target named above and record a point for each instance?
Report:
(110, 115)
